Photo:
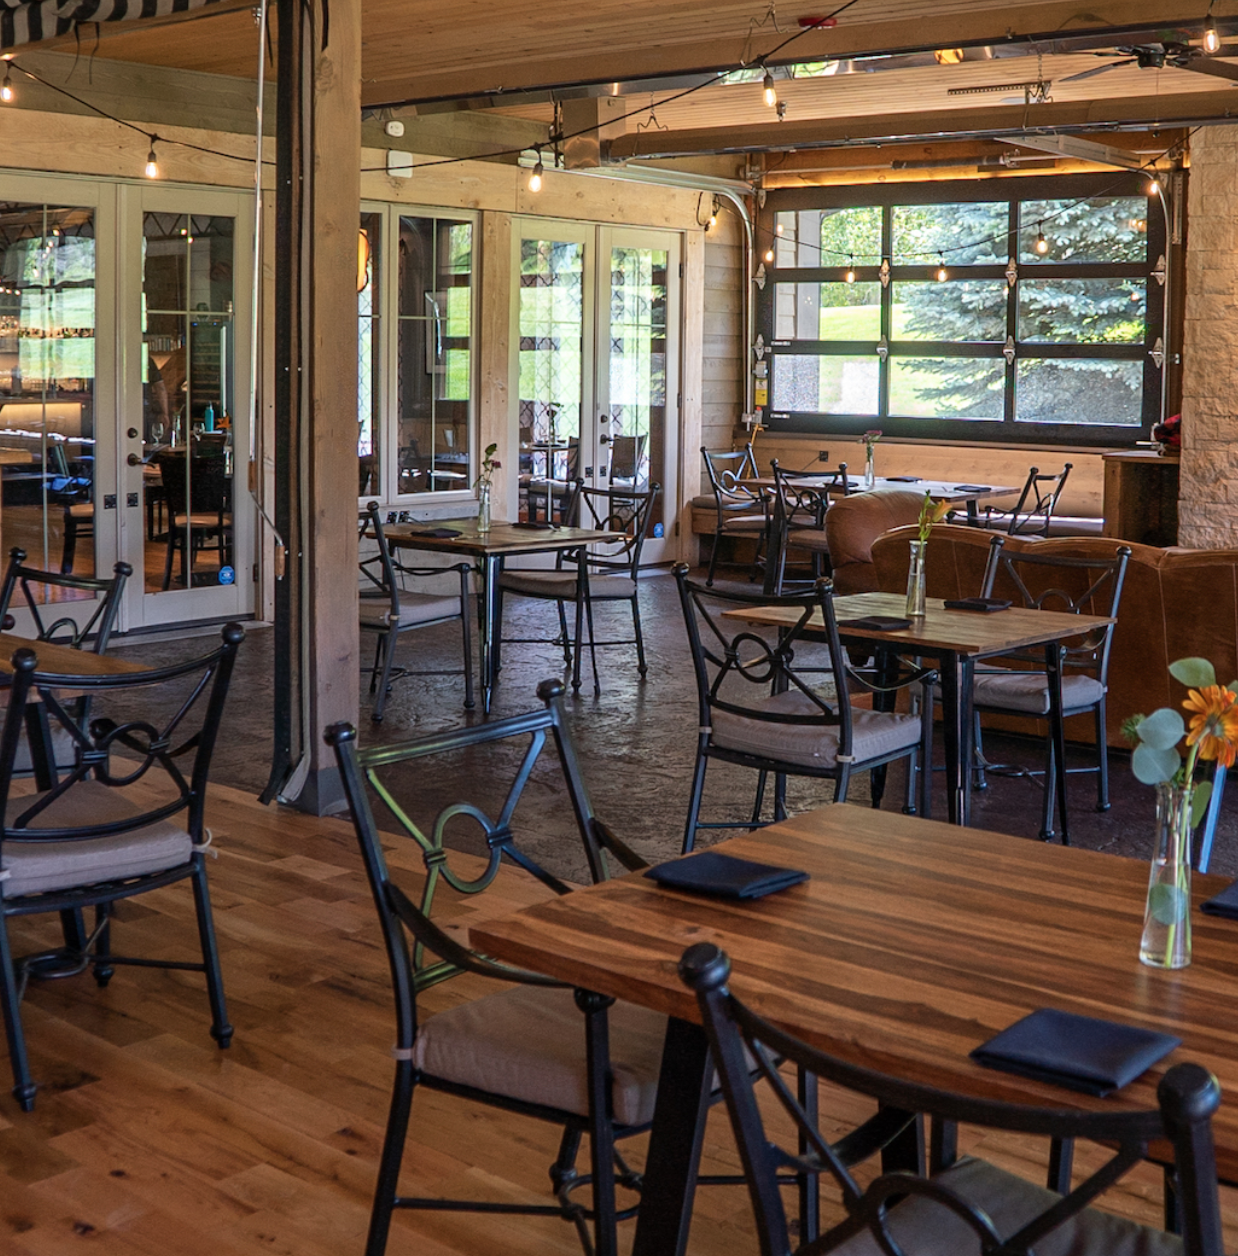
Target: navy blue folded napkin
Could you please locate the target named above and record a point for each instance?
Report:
(902, 479)
(441, 534)
(876, 623)
(724, 876)
(1077, 1052)
(536, 525)
(984, 605)
(972, 488)
(1223, 904)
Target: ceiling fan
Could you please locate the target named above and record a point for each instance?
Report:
(1164, 56)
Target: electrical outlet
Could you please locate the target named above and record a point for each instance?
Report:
(823, 455)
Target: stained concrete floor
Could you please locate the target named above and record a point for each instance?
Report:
(637, 744)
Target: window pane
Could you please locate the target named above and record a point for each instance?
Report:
(961, 233)
(828, 237)
(368, 270)
(435, 364)
(1080, 391)
(957, 310)
(827, 311)
(948, 388)
(1083, 311)
(825, 385)
(47, 384)
(1109, 229)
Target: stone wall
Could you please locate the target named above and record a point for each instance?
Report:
(1208, 503)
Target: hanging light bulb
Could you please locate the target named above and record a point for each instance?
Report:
(152, 163)
(713, 213)
(1212, 39)
(767, 83)
(1154, 185)
(778, 228)
(769, 255)
(6, 89)
(850, 275)
(942, 273)
(1042, 245)
(535, 179)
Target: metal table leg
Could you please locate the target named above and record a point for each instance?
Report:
(489, 626)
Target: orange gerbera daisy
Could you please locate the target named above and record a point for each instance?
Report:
(1215, 723)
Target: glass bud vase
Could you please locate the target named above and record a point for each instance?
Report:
(483, 508)
(870, 468)
(916, 581)
(1166, 941)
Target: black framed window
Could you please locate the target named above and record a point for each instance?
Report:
(1028, 309)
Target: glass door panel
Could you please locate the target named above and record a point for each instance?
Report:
(47, 385)
(189, 399)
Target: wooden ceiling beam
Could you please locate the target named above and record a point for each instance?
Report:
(1002, 120)
(431, 77)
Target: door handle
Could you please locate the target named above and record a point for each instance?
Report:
(134, 460)
(603, 439)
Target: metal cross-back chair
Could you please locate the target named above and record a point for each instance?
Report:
(1033, 512)
(800, 501)
(627, 459)
(742, 509)
(959, 1203)
(555, 495)
(758, 709)
(387, 609)
(533, 1048)
(1074, 585)
(607, 571)
(90, 841)
(107, 593)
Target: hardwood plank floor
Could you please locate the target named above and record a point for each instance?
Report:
(147, 1139)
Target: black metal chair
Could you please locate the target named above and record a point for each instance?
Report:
(88, 842)
(1054, 582)
(532, 1048)
(199, 496)
(742, 509)
(555, 495)
(387, 609)
(602, 572)
(1033, 512)
(627, 461)
(800, 502)
(962, 1204)
(757, 708)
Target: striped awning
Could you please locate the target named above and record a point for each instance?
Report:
(29, 21)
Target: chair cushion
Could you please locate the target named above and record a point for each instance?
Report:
(809, 539)
(743, 523)
(528, 1043)
(1029, 691)
(35, 867)
(415, 608)
(562, 585)
(928, 1228)
(874, 733)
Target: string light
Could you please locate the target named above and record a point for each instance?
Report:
(778, 228)
(1154, 185)
(850, 275)
(769, 254)
(6, 89)
(1212, 39)
(535, 179)
(1042, 245)
(771, 95)
(942, 273)
(152, 163)
(713, 213)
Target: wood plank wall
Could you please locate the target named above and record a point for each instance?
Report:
(723, 350)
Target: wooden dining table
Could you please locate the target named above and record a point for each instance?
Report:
(491, 549)
(912, 943)
(956, 493)
(957, 640)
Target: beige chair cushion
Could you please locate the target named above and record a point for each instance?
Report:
(926, 1228)
(809, 539)
(36, 867)
(874, 733)
(528, 1043)
(562, 584)
(1029, 691)
(415, 608)
(743, 523)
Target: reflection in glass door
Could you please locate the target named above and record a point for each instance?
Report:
(47, 385)
(188, 396)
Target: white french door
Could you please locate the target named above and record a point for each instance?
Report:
(122, 317)
(597, 316)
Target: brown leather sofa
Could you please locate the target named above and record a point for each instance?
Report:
(1176, 603)
(853, 523)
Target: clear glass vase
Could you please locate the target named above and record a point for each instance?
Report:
(483, 508)
(870, 468)
(916, 581)
(1166, 941)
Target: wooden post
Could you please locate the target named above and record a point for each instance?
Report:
(317, 204)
